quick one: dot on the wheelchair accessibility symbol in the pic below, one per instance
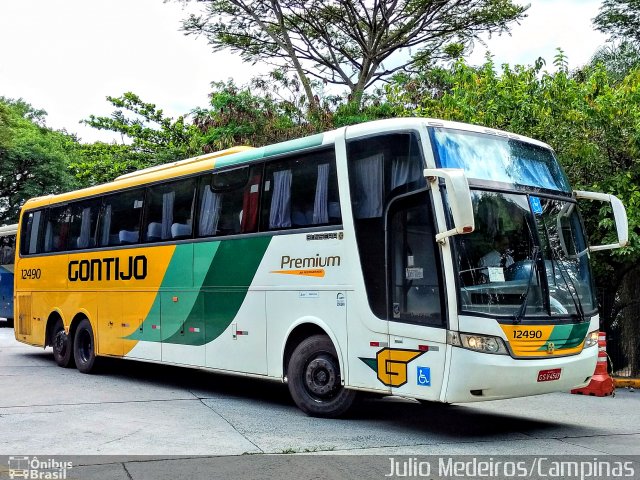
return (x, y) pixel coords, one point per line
(424, 376)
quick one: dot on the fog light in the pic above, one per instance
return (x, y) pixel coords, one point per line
(591, 339)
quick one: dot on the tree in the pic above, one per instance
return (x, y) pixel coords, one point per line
(620, 19)
(33, 158)
(238, 116)
(152, 135)
(350, 43)
(102, 162)
(618, 59)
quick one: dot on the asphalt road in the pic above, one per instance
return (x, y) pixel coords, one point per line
(132, 408)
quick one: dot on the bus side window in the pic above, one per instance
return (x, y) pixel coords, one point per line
(301, 192)
(120, 218)
(56, 233)
(228, 202)
(169, 211)
(31, 227)
(84, 220)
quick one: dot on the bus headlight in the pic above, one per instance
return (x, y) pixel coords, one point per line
(591, 339)
(479, 343)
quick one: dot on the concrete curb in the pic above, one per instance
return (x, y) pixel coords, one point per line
(626, 382)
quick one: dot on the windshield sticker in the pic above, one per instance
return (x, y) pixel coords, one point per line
(496, 274)
(536, 206)
(414, 273)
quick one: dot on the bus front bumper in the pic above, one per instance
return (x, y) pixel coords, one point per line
(477, 377)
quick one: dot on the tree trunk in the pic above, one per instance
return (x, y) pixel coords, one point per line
(630, 321)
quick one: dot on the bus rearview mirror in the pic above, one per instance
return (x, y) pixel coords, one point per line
(619, 215)
(459, 198)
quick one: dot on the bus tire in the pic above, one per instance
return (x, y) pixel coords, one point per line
(62, 345)
(314, 379)
(84, 347)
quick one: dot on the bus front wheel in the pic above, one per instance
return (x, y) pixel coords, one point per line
(314, 379)
(62, 347)
(84, 347)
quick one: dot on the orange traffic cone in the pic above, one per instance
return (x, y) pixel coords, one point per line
(601, 384)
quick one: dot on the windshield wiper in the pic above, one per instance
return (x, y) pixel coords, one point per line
(573, 291)
(525, 299)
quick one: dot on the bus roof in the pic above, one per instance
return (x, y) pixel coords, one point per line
(7, 230)
(242, 154)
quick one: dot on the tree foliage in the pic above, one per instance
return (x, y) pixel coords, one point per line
(33, 158)
(620, 19)
(147, 130)
(349, 43)
(617, 58)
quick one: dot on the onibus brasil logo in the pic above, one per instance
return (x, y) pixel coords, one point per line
(38, 469)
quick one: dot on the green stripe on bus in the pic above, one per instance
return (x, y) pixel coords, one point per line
(567, 336)
(176, 275)
(270, 150)
(221, 294)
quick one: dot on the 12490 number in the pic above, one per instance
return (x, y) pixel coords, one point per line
(531, 334)
(31, 273)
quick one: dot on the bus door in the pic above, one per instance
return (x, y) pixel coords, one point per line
(417, 321)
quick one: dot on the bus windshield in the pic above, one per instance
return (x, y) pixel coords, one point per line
(501, 159)
(527, 257)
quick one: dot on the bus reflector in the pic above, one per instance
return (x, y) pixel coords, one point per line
(175, 299)
(374, 344)
(194, 329)
(423, 348)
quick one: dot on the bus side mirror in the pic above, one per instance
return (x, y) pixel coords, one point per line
(619, 215)
(459, 196)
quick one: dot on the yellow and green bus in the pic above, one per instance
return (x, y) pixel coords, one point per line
(414, 257)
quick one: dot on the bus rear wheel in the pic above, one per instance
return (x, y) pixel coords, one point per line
(314, 379)
(62, 346)
(84, 349)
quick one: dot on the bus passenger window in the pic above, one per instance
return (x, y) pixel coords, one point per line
(83, 223)
(120, 218)
(301, 192)
(169, 211)
(31, 232)
(56, 232)
(228, 202)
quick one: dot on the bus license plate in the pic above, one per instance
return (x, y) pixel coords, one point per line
(549, 375)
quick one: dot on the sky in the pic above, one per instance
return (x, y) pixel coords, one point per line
(67, 56)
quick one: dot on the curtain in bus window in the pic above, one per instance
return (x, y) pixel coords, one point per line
(280, 213)
(368, 182)
(209, 212)
(106, 225)
(320, 205)
(404, 170)
(168, 200)
(35, 227)
(48, 238)
(250, 204)
(85, 228)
